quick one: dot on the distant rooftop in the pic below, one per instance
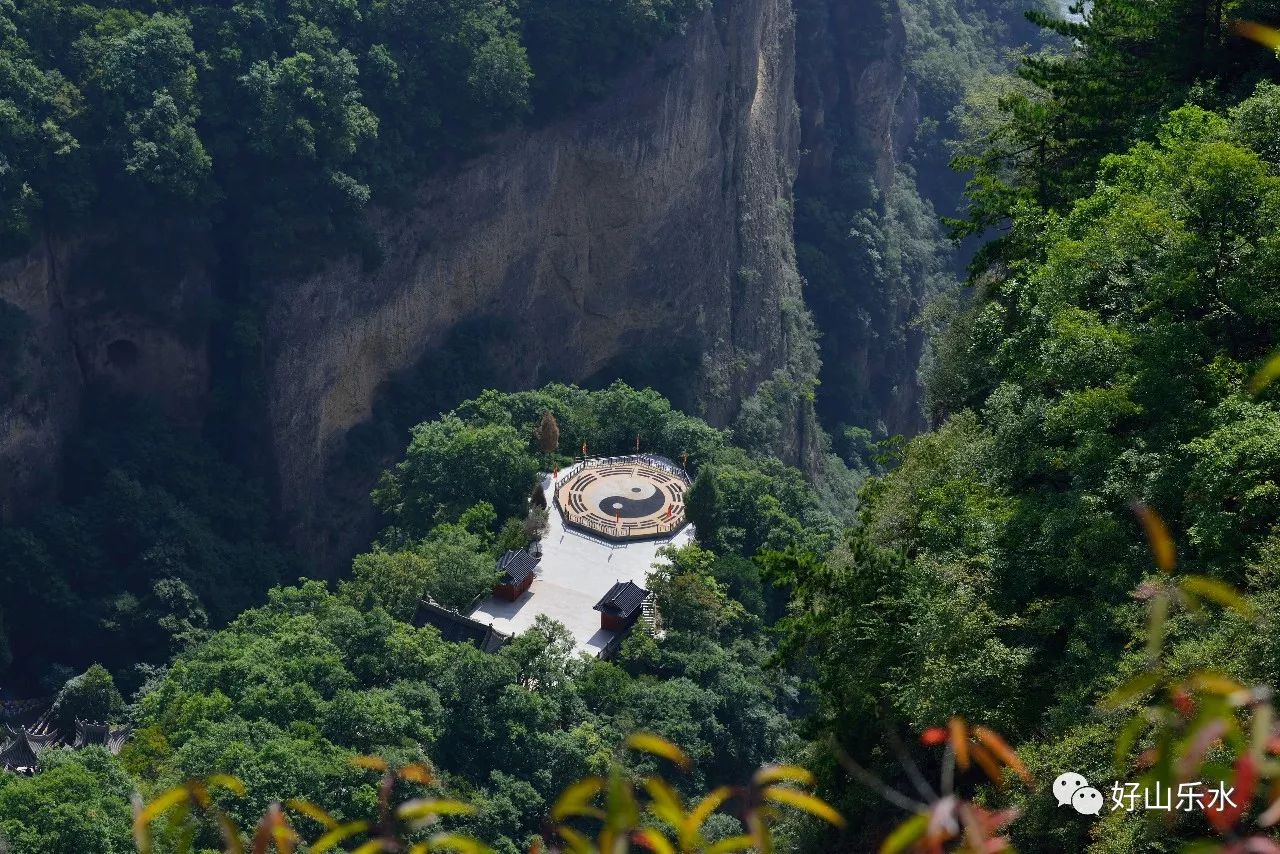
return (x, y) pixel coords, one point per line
(516, 566)
(22, 746)
(581, 566)
(459, 628)
(623, 599)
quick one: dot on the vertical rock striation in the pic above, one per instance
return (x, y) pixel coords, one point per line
(657, 220)
(72, 320)
(856, 209)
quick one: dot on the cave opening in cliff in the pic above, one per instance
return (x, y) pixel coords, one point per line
(122, 354)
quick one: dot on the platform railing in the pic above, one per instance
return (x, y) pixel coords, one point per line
(625, 530)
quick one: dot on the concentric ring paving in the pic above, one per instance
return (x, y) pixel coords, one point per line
(624, 498)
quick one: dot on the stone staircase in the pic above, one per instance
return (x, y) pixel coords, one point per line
(649, 616)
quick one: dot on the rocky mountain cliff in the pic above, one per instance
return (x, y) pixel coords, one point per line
(859, 116)
(70, 326)
(653, 227)
(655, 222)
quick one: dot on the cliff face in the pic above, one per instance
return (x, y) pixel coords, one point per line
(861, 224)
(67, 326)
(852, 78)
(655, 221)
(659, 219)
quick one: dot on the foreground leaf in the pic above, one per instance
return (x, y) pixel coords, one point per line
(791, 773)
(1162, 549)
(576, 800)
(1270, 37)
(805, 802)
(647, 742)
(906, 834)
(1217, 591)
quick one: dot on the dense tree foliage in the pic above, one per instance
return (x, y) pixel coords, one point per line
(288, 693)
(278, 121)
(91, 696)
(157, 539)
(1104, 360)
(79, 802)
(1128, 64)
(996, 572)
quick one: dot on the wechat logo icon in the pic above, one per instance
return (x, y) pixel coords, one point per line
(1073, 790)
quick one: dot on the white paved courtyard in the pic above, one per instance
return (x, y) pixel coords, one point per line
(575, 571)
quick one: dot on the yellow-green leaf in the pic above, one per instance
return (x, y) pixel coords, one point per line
(775, 773)
(163, 802)
(226, 781)
(1217, 591)
(416, 772)
(659, 746)
(338, 834)
(285, 838)
(1132, 689)
(699, 814)
(1162, 548)
(905, 835)
(422, 808)
(371, 763)
(230, 834)
(457, 842)
(576, 799)
(653, 840)
(731, 844)
(805, 802)
(1215, 683)
(1270, 371)
(313, 812)
(664, 802)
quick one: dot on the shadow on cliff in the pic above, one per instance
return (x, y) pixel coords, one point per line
(478, 354)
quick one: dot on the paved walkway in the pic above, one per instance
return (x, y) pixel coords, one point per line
(575, 571)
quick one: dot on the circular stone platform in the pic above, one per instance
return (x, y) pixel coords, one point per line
(624, 498)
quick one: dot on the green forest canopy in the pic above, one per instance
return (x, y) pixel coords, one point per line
(277, 122)
(1104, 359)
(991, 574)
(289, 692)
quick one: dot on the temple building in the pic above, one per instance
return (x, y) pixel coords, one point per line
(517, 568)
(22, 746)
(459, 628)
(620, 607)
(609, 520)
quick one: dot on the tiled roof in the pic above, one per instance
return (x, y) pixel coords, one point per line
(21, 747)
(22, 753)
(89, 734)
(458, 628)
(624, 599)
(516, 566)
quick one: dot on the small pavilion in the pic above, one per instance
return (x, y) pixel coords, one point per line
(620, 607)
(517, 568)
